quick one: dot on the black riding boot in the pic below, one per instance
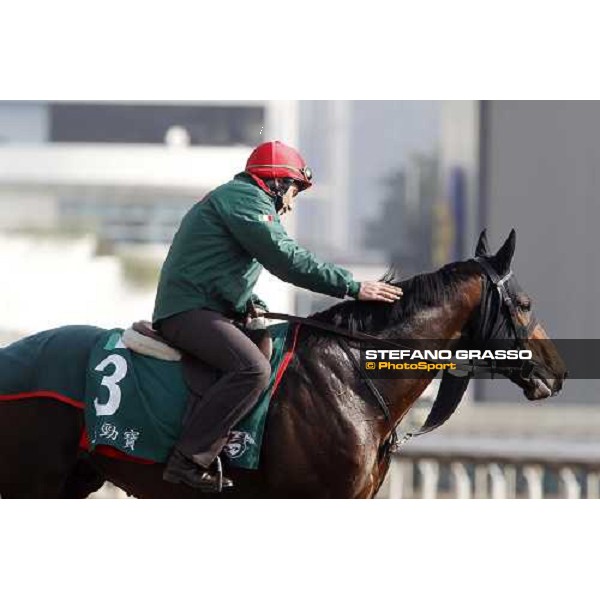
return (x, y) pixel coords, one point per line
(181, 469)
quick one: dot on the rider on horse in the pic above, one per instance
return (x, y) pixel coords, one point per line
(205, 292)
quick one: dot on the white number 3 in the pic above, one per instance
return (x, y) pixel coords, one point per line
(110, 382)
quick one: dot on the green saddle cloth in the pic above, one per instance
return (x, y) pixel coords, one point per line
(136, 403)
(52, 361)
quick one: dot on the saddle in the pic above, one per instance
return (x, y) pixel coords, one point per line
(142, 338)
(199, 376)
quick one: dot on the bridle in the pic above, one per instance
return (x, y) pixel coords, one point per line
(487, 324)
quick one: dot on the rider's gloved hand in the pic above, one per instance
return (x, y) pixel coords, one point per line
(377, 290)
(256, 313)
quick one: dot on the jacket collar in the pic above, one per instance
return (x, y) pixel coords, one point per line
(249, 178)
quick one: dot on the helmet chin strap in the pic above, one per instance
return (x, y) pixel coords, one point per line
(279, 206)
(278, 193)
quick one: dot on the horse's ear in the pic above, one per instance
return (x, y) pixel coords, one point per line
(482, 248)
(504, 256)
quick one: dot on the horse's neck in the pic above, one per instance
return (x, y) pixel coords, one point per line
(442, 325)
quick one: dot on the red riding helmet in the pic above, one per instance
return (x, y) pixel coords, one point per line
(275, 160)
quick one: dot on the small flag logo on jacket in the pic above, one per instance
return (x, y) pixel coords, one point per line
(267, 218)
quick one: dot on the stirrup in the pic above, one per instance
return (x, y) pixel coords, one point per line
(219, 469)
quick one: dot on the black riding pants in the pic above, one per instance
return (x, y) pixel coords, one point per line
(210, 337)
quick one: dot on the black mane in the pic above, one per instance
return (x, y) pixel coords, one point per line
(421, 291)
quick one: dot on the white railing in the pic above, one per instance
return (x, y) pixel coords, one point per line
(484, 468)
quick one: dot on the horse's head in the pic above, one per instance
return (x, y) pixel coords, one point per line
(506, 319)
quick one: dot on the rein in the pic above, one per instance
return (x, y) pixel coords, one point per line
(469, 367)
(445, 404)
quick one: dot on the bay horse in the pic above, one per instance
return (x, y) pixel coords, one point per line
(324, 436)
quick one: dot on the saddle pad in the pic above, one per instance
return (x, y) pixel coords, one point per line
(136, 403)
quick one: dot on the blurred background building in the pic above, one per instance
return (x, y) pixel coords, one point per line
(92, 193)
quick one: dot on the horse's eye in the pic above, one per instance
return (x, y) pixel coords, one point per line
(524, 303)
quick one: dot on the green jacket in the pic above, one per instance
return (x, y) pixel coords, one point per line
(221, 246)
